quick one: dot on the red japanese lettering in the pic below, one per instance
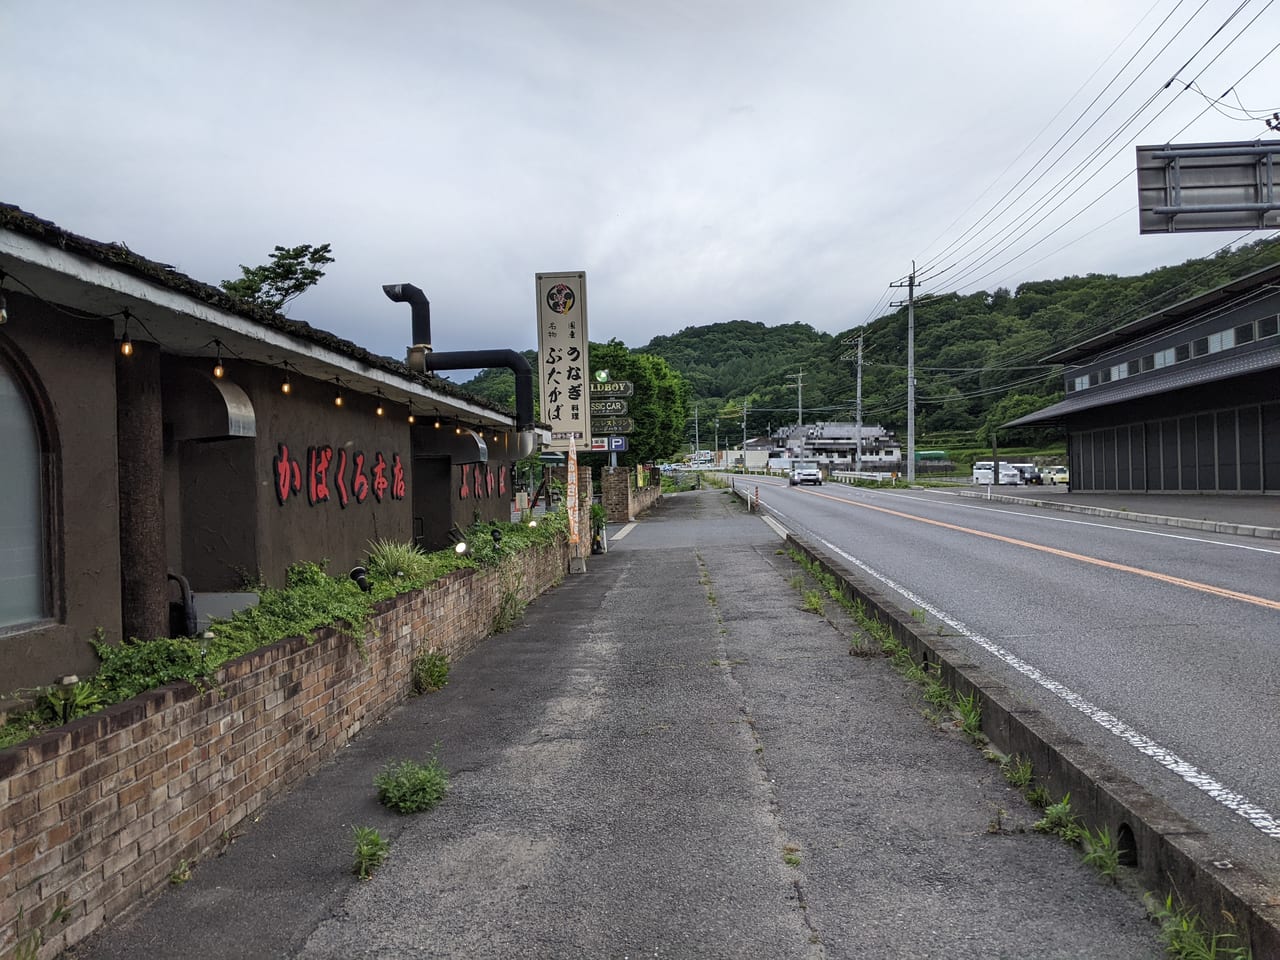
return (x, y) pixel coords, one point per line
(502, 480)
(318, 461)
(380, 482)
(340, 479)
(397, 477)
(359, 482)
(464, 491)
(288, 474)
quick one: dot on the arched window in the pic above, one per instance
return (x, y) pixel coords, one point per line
(23, 587)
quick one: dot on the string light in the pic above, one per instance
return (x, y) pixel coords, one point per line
(337, 395)
(219, 371)
(412, 418)
(4, 305)
(126, 345)
(285, 386)
(381, 401)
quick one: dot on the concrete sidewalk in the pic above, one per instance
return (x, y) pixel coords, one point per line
(668, 757)
(1246, 515)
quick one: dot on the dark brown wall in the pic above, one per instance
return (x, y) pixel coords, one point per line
(297, 530)
(74, 363)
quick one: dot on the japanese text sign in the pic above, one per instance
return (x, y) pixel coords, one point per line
(564, 373)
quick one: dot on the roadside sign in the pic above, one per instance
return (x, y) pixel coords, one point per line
(609, 444)
(614, 424)
(563, 367)
(612, 388)
(608, 408)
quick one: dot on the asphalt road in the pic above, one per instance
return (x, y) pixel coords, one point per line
(668, 757)
(1170, 635)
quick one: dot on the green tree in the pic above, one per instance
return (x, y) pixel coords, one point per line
(292, 270)
(659, 406)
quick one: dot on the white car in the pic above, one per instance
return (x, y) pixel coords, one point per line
(983, 473)
(806, 473)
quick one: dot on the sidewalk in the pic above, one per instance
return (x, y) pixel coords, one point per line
(1250, 516)
(668, 757)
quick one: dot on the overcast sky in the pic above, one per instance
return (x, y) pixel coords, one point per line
(701, 160)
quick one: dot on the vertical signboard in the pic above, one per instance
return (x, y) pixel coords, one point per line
(563, 370)
(571, 493)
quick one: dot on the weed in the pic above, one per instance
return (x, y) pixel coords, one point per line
(370, 853)
(797, 582)
(1185, 938)
(390, 560)
(968, 713)
(1038, 797)
(182, 872)
(1058, 819)
(860, 647)
(511, 606)
(430, 671)
(409, 786)
(791, 855)
(1017, 770)
(1100, 851)
(996, 824)
(813, 602)
(937, 693)
(918, 615)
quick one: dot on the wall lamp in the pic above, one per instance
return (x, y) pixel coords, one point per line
(361, 576)
(459, 541)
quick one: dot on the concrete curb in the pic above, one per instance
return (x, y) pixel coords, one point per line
(1171, 853)
(1188, 523)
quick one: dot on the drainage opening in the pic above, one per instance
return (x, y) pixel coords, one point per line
(1126, 847)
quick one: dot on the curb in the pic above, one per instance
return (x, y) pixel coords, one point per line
(1187, 523)
(1169, 852)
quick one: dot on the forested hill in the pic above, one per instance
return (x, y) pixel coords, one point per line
(977, 355)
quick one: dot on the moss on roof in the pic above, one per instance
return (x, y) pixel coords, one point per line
(120, 257)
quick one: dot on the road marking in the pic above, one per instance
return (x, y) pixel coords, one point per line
(1083, 558)
(1088, 523)
(1237, 803)
(623, 532)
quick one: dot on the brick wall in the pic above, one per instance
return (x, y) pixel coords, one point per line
(94, 816)
(622, 499)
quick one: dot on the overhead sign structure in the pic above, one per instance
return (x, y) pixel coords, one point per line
(614, 424)
(1193, 187)
(563, 365)
(608, 408)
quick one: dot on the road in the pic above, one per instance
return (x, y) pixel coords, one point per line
(1155, 647)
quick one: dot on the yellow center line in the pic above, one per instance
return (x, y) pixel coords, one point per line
(1083, 558)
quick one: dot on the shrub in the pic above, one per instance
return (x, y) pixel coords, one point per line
(410, 787)
(430, 671)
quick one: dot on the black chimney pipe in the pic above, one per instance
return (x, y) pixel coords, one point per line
(462, 359)
(420, 307)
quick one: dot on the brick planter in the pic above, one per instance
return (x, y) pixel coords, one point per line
(94, 816)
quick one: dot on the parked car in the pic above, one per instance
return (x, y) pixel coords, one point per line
(1057, 474)
(806, 473)
(1009, 475)
(1029, 473)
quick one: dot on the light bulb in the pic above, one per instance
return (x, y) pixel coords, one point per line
(411, 419)
(126, 346)
(437, 423)
(337, 399)
(285, 385)
(380, 411)
(460, 547)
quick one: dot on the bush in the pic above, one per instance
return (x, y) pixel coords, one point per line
(410, 787)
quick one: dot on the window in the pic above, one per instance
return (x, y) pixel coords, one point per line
(1222, 341)
(22, 549)
(1268, 327)
(1181, 352)
(1149, 362)
(1244, 333)
(1135, 367)
(1200, 347)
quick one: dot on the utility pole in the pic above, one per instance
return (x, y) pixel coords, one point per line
(799, 379)
(697, 440)
(910, 284)
(857, 428)
(744, 436)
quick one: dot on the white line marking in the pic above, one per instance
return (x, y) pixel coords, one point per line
(1235, 802)
(624, 531)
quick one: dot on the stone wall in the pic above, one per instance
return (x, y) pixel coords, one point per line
(94, 816)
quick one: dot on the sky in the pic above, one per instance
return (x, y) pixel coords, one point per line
(700, 160)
